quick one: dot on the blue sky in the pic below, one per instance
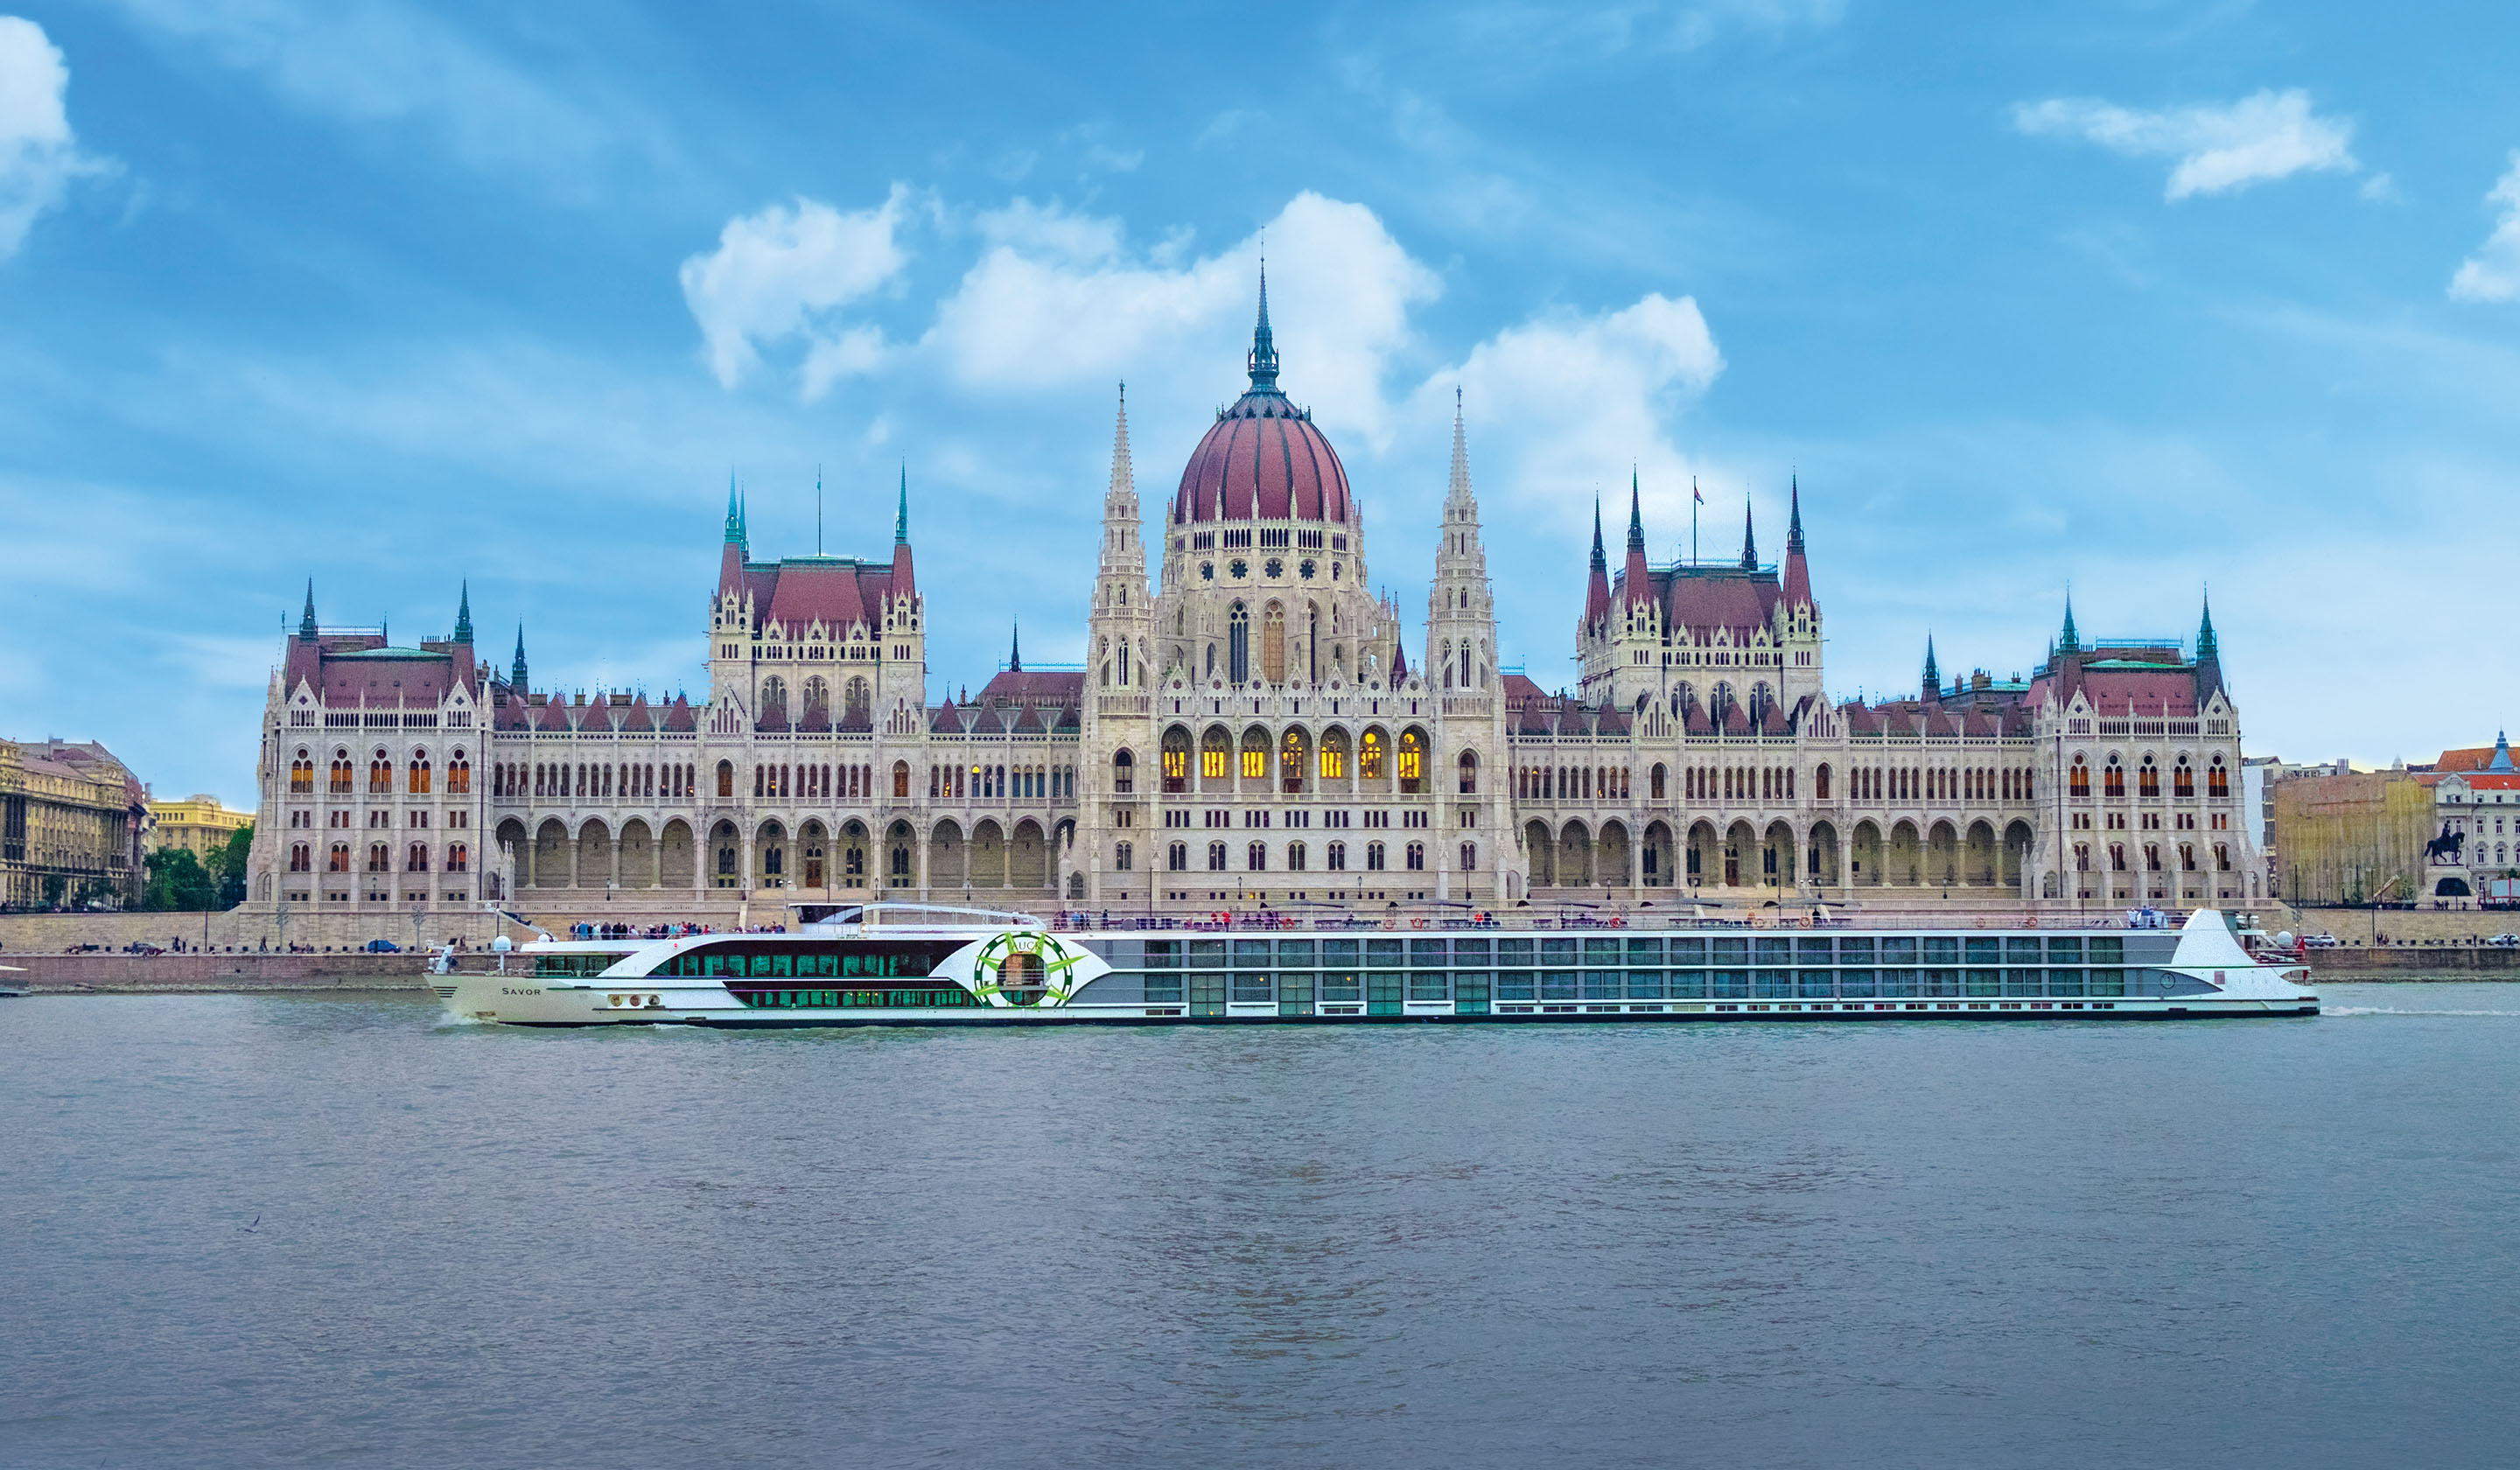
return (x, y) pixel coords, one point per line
(2137, 296)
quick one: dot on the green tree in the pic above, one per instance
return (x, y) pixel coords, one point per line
(227, 863)
(177, 882)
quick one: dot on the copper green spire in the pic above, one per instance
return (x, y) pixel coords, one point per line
(517, 671)
(464, 616)
(1933, 675)
(2206, 648)
(1264, 347)
(2068, 642)
(306, 620)
(901, 516)
(734, 515)
(1015, 651)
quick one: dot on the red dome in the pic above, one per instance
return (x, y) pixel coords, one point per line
(1263, 461)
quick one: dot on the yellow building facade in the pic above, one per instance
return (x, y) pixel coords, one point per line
(70, 824)
(199, 824)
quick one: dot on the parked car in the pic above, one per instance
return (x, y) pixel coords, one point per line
(383, 947)
(2320, 941)
(2506, 940)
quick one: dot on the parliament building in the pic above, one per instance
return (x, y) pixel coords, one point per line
(1250, 729)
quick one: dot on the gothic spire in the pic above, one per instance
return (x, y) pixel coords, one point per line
(1601, 562)
(1750, 538)
(901, 515)
(517, 671)
(464, 616)
(1459, 488)
(734, 514)
(2206, 648)
(1015, 653)
(2068, 641)
(1933, 675)
(306, 620)
(1636, 514)
(1264, 347)
(1124, 474)
(1794, 529)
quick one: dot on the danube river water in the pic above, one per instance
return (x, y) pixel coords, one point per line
(344, 1232)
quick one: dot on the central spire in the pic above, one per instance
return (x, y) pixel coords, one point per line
(1750, 538)
(1264, 347)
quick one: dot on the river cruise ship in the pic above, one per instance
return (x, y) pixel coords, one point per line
(913, 964)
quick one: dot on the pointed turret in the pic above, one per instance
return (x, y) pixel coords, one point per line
(464, 616)
(2501, 762)
(306, 619)
(1597, 593)
(1636, 581)
(1120, 625)
(2068, 642)
(1014, 649)
(516, 670)
(1749, 537)
(2209, 654)
(1796, 592)
(733, 515)
(905, 575)
(1264, 347)
(1933, 682)
(1461, 631)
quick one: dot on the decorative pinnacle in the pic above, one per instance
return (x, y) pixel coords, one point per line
(516, 673)
(734, 512)
(463, 614)
(2207, 649)
(306, 620)
(901, 516)
(1933, 675)
(2068, 641)
(1601, 562)
(1636, 514)
(1264, 346)
(1015, 651)
(1794, 529)
(1750, 538)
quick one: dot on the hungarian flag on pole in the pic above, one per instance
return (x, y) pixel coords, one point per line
(1695, 494)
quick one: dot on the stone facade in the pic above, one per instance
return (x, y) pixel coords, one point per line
(197, 825)
(1253, 729)
(72, 819)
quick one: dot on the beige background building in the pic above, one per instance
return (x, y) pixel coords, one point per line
(71, 822)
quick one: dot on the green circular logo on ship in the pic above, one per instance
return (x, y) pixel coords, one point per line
(1024, 969)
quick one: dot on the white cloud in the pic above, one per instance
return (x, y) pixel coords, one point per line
(1057, 300)
(1565, 405)
(784, 273)
(2492, 273)
(38, 156)
(2220, 149)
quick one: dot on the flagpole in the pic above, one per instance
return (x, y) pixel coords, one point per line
(1695, 501)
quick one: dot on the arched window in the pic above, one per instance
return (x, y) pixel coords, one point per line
(2078, 780)
(726, 781)
(416, 860)
(2218, 781)
(1215, 754)
(1124, 774)
(1470, 857)
(2148, 779)
(459, 775)
(301, 860)
(419, 782)
(1373, 857)
(1176, 760)
(339, 859)
(1216, 857)
(1336, 857)
(1416, 857)
(901, 781)
(2222, 858)
(1237, 646)
(1177, 858)
(1295, 857)
(2182, 778)
(342, 771)
(380, 858)
(1123, 856)
(2113, 780)
(459, 857)
(1256, 857)
(380, 775)
(302, 776)
(1413, 761)
(1368, 756)
(1468, 766)
(1290, 762)
(1820, 783)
